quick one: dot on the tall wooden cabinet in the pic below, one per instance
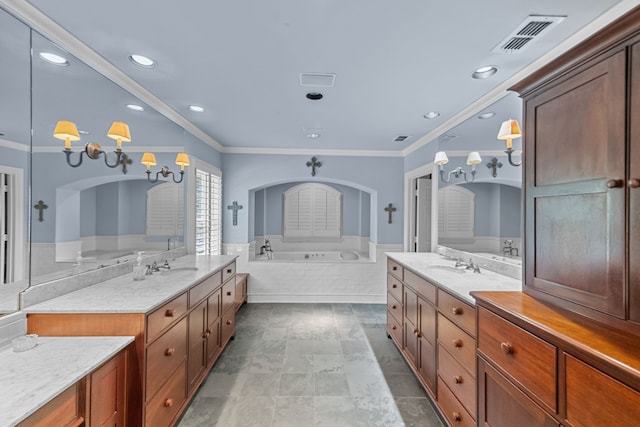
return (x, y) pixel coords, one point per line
(582, 176)
(566, 351)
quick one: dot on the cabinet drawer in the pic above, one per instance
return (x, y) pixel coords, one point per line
(164, 356)
(164, 316)
(228, 326)
(64, 409)
(228, 272)
(394, 307)
(394, 287)
(394, 269)
(460, 382)
(395, 330)
(596, 399)
(452, 408)
(526, 358)
(228, 296)
(161, 410)
(423, 288)
(458, 343)
(459, 312)
(204, 288)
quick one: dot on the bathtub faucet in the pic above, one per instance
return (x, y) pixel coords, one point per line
(266, 247)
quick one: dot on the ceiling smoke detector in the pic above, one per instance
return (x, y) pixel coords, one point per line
(527, 32)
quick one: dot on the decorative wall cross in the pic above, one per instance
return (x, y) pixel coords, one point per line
(495, 165)
(41, 207)
(391, 210)
(313, 164)
(236, 207)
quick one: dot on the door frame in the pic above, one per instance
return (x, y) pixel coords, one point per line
(409, 201)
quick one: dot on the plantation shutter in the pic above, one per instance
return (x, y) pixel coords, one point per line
(165, 210)
(456, 212)
(208, 213)
(312, 210)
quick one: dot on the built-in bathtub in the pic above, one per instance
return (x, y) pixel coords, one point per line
(310, 256)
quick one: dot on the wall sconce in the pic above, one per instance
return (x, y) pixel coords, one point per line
(149, 159)
(473, 159)
(67, 131)
(510, 129)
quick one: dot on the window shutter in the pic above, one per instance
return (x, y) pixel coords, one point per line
(456, 212)
(312, 210)
(165, 210)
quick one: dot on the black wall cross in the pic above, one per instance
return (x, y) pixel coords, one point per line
(391, 210)
(236, 207)
(41, 207)
(313, 164)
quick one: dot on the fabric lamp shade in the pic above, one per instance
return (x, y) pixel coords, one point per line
(120, 132)
(148, 159)
(66, 131)
(474, 158)
(441, 158)
(182, 160)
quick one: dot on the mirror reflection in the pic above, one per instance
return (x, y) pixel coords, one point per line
(482, 216)
(93, 215)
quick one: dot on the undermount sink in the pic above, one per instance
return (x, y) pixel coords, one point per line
(450, 268)
(177, 270)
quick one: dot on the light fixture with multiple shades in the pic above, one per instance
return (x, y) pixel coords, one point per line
(510, 129)
(119, 131)
(473, 159)
(149, 159)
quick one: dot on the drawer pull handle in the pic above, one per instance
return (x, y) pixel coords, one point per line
(394, 306)
(506, 348)
(394, 268)
(204, 335)
(229, 322)
(457, 417)
(168, 403)
(394, 327)
(457, 343)
(457, 379)
(395, 285)
(229, 293)
(169, 351)
(229, 270)
(614, 183)
(169, 313)
(457, 311)
(634, 183)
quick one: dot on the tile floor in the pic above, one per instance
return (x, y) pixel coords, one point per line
(310, 365)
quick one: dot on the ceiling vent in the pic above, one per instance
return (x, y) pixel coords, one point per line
(315, 79)
(400, 138)
(527, 32)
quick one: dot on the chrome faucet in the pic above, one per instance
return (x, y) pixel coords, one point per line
(508, 247)
(266, 247)
(156, 267)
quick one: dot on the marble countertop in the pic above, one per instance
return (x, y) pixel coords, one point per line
(31, 378)
(124, 295)
(458, 281)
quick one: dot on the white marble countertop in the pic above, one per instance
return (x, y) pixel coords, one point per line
(124, 295)
(32, 378)
(458, 281)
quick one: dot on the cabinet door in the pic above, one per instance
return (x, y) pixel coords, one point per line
(197, 356)
(107, 398)
(634, 188)
(213, 328)
(575, 188)
(501, 404)
(411, 325)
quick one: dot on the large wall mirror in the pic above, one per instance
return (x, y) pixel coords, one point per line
(67, 220)
(482, 217)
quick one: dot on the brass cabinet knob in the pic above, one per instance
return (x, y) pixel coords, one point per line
(634, 183)
(457, 343)
(457, 379)
(457, 311)
(506, 348)
(615, 183)
(168, 403)
(170, 312)
(169, 351)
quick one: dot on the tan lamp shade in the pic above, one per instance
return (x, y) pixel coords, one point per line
(474, 158)
(120, 132)
(509, 130)
(182, 160)
(441, 158)
(67, 131)
(148, 159)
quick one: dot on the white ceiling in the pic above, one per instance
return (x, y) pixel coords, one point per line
(394, 61)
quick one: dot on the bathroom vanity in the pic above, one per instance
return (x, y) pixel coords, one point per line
(431, 317)
(181, 319)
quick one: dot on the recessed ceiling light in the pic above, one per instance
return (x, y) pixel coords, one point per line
(486, 115)
(431, 115)
(313, 135)
(314, 96)
(83, 132)
(142, 61)
(54, 59)
(196, 108)
(135, 107)
(484, 72)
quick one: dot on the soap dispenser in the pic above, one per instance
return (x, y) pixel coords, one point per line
(139, 270)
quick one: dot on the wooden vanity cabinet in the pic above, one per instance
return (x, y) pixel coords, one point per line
(98, 399)
(241, 289)
(176, 344)
(456, 359)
